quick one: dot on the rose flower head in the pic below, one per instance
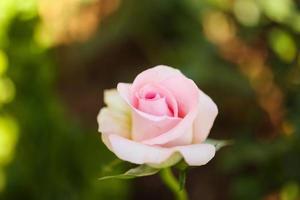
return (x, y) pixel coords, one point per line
(158, 120)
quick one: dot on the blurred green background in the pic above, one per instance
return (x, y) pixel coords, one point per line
(56, 57)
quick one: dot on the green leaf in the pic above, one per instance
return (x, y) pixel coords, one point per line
(142, 170)
(219, 143)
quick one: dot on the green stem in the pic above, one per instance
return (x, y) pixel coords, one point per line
(172, 183)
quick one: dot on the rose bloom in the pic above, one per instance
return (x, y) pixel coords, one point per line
(159, 119)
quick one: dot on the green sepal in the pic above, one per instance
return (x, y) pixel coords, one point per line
(218, 143)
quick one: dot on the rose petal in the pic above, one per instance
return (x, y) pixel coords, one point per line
(207, 112)
(158, 107)
(113, 100)
(185, 92)
(113, 122)
(154, 75)
(175, 133)
(184, 139)
(162, 93)
(106, 141)
(124, 91)
(186, 95)
(114, 119)
(134, 152)
(197, 154)
(137, 153)
(183, 89)
(146, 126)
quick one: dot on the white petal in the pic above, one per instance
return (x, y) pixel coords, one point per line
(114, 101)
(138, 153)
(115, 118)
(197, 154)
(114, 122)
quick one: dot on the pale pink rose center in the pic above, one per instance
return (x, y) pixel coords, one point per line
(156, 101)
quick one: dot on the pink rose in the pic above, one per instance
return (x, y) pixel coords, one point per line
(159, 119)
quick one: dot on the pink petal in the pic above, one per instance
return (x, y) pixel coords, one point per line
(175, 134)
(137, 153)
(184, 139)
(146, 126)
(158, 107)
(207, 112)
(159, 91)
(154, 75)
(185, 92)
(183, 89)
(124, 91)
(197, 154)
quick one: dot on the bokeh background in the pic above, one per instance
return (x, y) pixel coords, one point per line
(57, 57)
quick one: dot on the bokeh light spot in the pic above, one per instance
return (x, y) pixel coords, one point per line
(290, 191)
(283, 44)
(277, 10)
(3, 62)
(8, 138)
(247, 12)
(295, 23)
(288, 128)
(7, 90)
(218, 27)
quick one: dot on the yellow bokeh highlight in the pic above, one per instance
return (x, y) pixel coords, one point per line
(8, 139)
(3, 62)
(277, 10)
(7, 90)
(42, 37)
(247, 12)
(288, 128)
(283, 44)
(218, 27)
(295, 23)
(290, 191)
(78, 24)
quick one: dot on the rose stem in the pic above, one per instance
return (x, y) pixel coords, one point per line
(169, 179)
